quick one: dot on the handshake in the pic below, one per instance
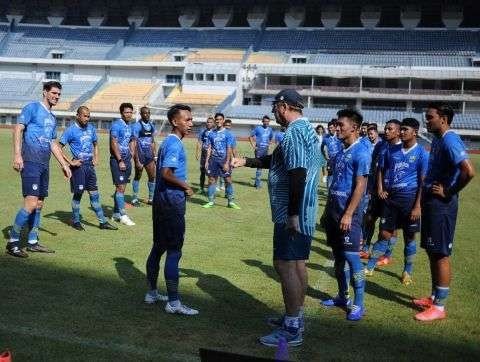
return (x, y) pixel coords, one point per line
(237, 162)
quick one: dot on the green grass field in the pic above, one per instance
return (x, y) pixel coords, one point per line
(86, 301)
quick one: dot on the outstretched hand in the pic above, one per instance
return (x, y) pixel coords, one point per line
(238, 162)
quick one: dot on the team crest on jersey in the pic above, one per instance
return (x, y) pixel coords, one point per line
(412, 158)
(382, 220)
(35, 186)
(347, 240)
(348, 156)
(80, 187)
(121, 178)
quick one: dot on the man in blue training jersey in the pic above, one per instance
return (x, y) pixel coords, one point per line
(169, 205)
(122, 149)
(82, 139)
(143, 133)
(278, 138)
(330, 146)
(343, 216)
(260, 139)
(33, 140)
(292, 185)
(201, 150)
(399, 185)
(219, 152)
(449, 171)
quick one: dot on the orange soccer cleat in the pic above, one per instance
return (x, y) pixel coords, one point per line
(431, 314)
(426, 302)
(384, 260)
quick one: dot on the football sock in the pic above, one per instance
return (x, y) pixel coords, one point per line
(258, 175)
(172, 274)
(135, 187)
(95, 203)
(342, 273)
(358, 280)
(34, 224)
(76, 207)
(378, 250)
(229, 192)
(151, 189)
(391, 245)
(153, 265)
(291, 323)
(20, 220)
(441, 294)
(119, 203)
(211, 192)
(409, 254)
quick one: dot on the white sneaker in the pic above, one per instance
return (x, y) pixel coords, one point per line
(124, 219)
(157, 297)
(324, 179)
(180, 309)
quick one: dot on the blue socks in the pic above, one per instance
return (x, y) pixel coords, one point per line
(76, 207)
(391, 245)
(172, 274)
(95, 203)
(378, 250)
(135, 187)
(153, 265)
(441, 293)
(409, 254)
(119, 204)
(151, 190)
(342, 273)
(34, 224)
(211, 192)
(258, 175)
(358, 276)
(20, 220)
(229, 191)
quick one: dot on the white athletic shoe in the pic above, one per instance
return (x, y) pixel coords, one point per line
(152, 299)
(180, 309)
(124, 219)
(324, 179)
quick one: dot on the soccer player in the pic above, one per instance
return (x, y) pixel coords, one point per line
(228, 125)
(144, 136)
(449, 171)
(169, 204)
(330, 146)
(278, 138)
(201, 150)
(82, 139)
(33, 139)
(122, 148)
(399, 184)
(320, 134)
(343, 217)
(260, 139)
(217, 162)
(292, 184)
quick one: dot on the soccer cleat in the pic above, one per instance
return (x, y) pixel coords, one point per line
(156, 297)
(125, 220)
(273, 339)
(368, 273)
(384, 260)
(406, 278)
(426, 302)
(234, 206)
(14, 250)
(278, 323)
(431, 314)
(208, 205)
(78, 226)
(107, 226)
(336, 302)
(364, 255)
(180, 309)
(136, 203)
(38, 248)
(356, 313)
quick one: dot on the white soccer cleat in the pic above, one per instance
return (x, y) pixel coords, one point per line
(157, 297)
(180, 309)
(124, 219)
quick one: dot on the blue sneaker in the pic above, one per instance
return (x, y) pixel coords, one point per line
(336, 302)
(356, 313)
(273, 339)
(278, 323)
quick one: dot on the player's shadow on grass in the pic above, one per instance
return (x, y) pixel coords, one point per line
(245, 183)
(196, 200)
(66, 218)
(270, 272)
(321, 251)
(379, 291)
(24, 234)
(128, 272)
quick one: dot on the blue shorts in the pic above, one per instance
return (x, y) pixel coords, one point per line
(215, 168)
(145, 156)
(396, 214)
(169, 224)
(35, 178)
(261, 151)
(120, 177)
(83, 178)
(346, 241)
(290, 247)
(375, 206)
(438, 224)
(363, 207)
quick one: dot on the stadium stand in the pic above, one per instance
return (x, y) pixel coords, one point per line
(216, 55)
(266, 58)
(195, 98)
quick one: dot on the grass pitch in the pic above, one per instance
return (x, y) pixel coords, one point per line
(85, 301)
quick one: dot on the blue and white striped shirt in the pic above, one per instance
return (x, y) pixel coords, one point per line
(298, 149)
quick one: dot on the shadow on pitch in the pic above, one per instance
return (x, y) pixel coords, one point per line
(66, 218)
(128, 272)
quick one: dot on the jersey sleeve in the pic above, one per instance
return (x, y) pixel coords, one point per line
(253, 132)
(456, 149)
(200, 136)
(294, 150)
(171, 158)
(65, 137)
(362, 166)
(135, 130)
(424, 163)
(54, 130)
(94, 135)
(270, 137)
(114, 131)
(26, 114)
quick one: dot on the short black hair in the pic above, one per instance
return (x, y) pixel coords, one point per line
(443, 110)
(265, 117)
(144, 107)
(51, 84)
(352, 114)
(394, 121)
(411, 122)
(365, 124)
(175, 109)
(332, 122)
(218, 114)
(125, 105)
(373, 126)
(228, 120)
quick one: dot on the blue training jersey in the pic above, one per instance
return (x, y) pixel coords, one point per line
(40, 129)
(367, 143)
(122, 132)
(263, 136)
(144, 133)
(347, 165)
(378, 150)
(279, 137)
(171, 154)
(203, 137)
(333, 144)
(219, 141)
(405, 168)
(298, 149)
(446, 154)
(81, 141)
